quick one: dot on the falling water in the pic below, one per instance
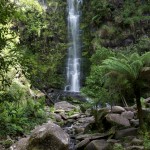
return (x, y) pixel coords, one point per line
(73, 61)
(43, 3)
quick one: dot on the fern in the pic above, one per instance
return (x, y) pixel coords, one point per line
(146, 58)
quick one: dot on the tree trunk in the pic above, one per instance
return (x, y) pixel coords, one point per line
(139, 106)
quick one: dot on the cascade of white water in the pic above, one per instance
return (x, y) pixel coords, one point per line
(73, 61)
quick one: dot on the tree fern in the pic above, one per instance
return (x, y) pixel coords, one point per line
(119, 66)
(146, 58)
(137, 66)
(134, 56)
(135, 69)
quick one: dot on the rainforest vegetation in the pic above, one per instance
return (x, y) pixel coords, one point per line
(32, 51)
(33, 48)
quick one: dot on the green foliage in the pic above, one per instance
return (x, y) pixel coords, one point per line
(118, 146)
(146, 139)
(101, 54)
(16, 120)
(133, 12)
(8, 40)
(17, 107)
(43, 43)
(112, 23)
(94, 88)
(135, 69)
(118, 76)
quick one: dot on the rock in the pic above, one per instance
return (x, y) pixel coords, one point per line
(83, 124)
(135, 148)
(57, 117)
(126, 132)
(92, 136)
(2, 148)
(136, 141)
(46, 137)
(117, 109)
(63, 116)
(59, 111)
(81, 145)
(135, 122)
(86, 120)
(88, 112)
(128, 114)
(20, 145)
(130, 109)
(98, 145)
(63, 105)
(79, 129)
(118, 119)
(112, 141)
(147, 100)
(74, 116)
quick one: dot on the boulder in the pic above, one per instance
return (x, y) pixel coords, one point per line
(98, 145)
(46, 137)
(20, 145)
(81, 145)
(126, 132)
(118, 119)
(128, 114)
(63, 105)
(117, 109)
(2, 148)
(136, 141)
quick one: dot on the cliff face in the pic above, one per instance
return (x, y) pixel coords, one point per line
(43, 42)
(116, 24)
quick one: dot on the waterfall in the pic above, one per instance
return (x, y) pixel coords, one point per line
(43, 3)
(74, 58)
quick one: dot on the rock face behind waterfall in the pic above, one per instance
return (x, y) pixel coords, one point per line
(46, 137)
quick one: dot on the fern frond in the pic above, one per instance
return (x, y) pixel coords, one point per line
(146, 58)
(120, 66)
(122, 56)
(134, 56)
(137, 66)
